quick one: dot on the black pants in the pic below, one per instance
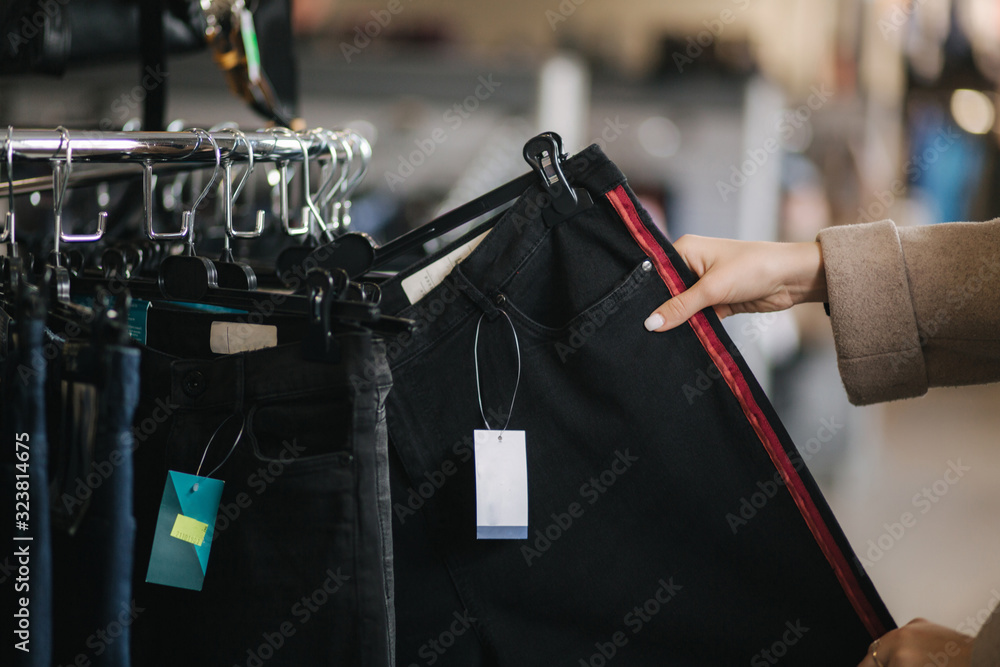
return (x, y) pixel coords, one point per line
(301, 556)
(671, 521)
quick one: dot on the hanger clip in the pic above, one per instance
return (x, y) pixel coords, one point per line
(545, 155)
(324, 287)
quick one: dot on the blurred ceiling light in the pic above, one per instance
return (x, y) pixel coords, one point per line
(659, 136)
(973, 111)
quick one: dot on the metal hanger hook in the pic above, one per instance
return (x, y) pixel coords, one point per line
(231, 197)
(283, 188)
(9, 223)
(148, 185)
(342, 140)
(60, 181)
(61, 170)
(310, 205)
(188, 215)
(332, 182)
(334, 202)
(238, 138)
(342, 207)
(365, 151)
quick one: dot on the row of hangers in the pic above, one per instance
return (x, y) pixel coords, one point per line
(344, 159)
(166, 266)
(153, 269)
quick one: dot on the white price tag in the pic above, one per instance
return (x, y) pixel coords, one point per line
(501, 485)
(233, 337)
(423, 281)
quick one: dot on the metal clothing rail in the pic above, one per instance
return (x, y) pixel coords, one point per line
(140, 147)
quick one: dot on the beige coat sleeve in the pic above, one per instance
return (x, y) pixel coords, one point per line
(912, 308)
(986, 649)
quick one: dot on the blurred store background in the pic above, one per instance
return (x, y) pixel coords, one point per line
(752, 119)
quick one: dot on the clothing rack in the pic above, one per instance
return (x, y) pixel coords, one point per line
(347, 152)
(190, 277)
(116, 147)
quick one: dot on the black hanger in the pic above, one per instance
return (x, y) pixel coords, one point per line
(54, 274)
(231, 273)
(183, 277)
(186, 276)
(325, 288)
(295, 256)
(193, 279)
(358, 254)
(357, 307)
(123, 260)
(189, 276)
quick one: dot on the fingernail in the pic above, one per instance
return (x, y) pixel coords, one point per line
(654, 322)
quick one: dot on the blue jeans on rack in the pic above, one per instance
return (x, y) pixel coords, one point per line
(94, 532)
(26, 570)
(671, 519)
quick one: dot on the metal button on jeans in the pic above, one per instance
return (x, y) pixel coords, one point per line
(194, 384)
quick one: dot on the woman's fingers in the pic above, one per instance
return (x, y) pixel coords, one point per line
(678, 310)
(743, 277)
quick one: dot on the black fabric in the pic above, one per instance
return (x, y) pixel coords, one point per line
(636, 468)
(300, 568)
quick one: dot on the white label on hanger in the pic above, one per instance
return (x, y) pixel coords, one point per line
(423, 281)
(501, 485)
(233, 337)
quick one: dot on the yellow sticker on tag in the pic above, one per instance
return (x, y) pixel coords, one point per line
(190, 530)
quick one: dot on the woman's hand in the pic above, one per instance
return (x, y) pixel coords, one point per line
(920, 643)
(743, 277)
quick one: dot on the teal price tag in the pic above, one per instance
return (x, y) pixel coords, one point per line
(137, 316)
(184, 528)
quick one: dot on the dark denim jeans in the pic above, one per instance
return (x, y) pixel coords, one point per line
(300, 565)
(22, 420)
(94, 532)
(671, 520)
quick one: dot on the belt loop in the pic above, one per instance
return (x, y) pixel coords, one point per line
(474, 294)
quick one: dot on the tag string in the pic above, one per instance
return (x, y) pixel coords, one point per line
(517, 383)
(231, 449)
